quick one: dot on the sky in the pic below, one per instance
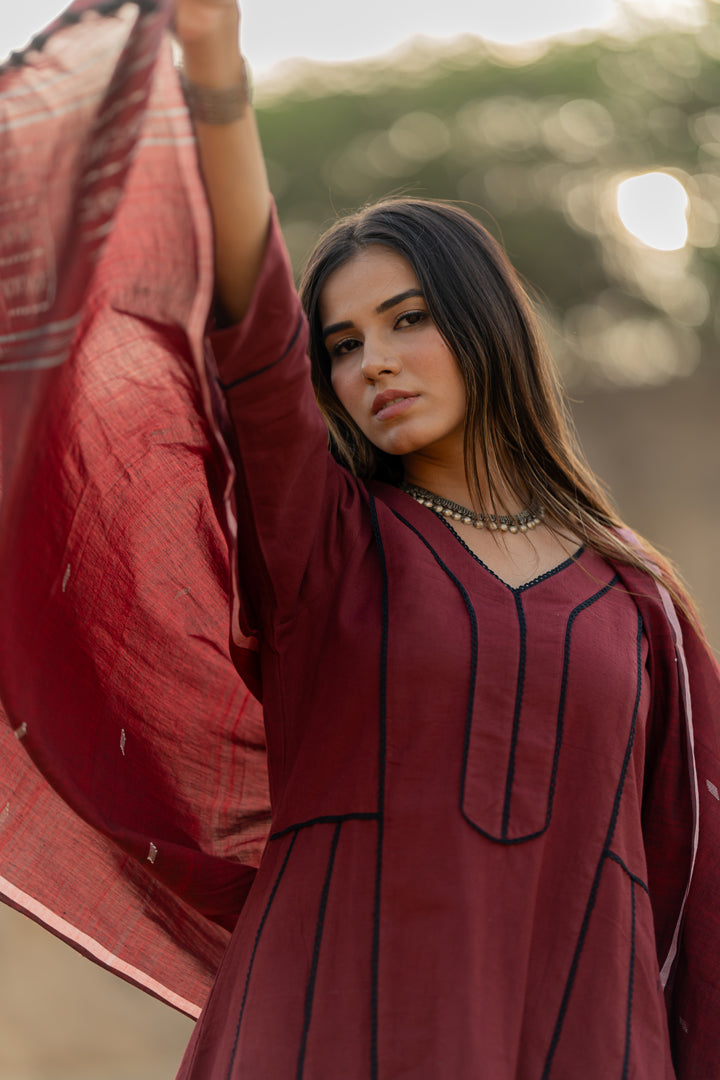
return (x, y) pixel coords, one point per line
(337, 30)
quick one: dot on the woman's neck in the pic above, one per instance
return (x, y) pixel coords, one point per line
(451, 482)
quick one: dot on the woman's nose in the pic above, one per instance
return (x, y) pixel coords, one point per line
(379, 359)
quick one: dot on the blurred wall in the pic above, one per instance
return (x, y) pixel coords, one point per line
(659, 450)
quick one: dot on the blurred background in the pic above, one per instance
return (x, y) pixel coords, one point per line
(585, 134)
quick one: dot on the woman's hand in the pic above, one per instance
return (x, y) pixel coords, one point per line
(231, 159)
(208, 32)
(197, 18)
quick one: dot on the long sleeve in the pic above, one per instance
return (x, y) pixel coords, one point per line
(696, 987)
(681, 825)
(298, 510)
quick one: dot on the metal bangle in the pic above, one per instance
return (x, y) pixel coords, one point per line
(210, 105)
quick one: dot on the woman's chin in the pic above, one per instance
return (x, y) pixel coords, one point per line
(399, 447)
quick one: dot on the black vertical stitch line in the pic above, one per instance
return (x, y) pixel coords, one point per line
(267, 367)
(312, 977)
(519, 690)
(604, 855)
(260, 928)
(564, 686)
(473, 658)
(324, 819)
(513, 588)
(633, 877)
(382, 750)
(631, 979)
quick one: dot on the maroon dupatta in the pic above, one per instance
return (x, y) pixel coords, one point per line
(137, 838)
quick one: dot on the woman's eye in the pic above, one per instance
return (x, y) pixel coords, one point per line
(412, 318)
(342, 348)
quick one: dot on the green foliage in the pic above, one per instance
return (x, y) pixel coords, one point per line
(535, 147)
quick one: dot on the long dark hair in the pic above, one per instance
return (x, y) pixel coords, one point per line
(516, 411)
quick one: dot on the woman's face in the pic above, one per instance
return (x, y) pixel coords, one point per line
(390, 367)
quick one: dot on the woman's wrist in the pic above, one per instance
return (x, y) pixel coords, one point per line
(217, 105)
(215, 67)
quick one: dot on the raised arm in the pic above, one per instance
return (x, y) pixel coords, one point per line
(230, 153)
(292, 538)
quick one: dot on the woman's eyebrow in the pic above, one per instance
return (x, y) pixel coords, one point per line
(385, 306)
(334, 327)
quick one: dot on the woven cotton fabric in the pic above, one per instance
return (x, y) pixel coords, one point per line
(133, 797)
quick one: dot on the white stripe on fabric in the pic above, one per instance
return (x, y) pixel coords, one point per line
(64, 327)
(70, 933)
(684, 678)
(42, 363)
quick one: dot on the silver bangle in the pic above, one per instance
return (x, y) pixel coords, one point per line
(208, 105)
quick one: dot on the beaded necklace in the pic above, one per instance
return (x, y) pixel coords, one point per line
(512, 523)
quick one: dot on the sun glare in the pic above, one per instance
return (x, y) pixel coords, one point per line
(653, 207)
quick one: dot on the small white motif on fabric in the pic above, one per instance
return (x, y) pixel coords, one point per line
(683, 1025)
(182, 592)
(66, 578)
(4, 814)
(123, 740)
(21, 732)
(152, 853)
(713, 790)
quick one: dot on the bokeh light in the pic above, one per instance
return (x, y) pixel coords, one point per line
(654, 207)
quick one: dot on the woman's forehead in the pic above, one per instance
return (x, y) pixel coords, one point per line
(365, 280)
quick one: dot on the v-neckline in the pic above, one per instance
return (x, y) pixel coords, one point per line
(404, 506)
(569, 561)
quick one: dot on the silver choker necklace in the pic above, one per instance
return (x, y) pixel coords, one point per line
(521, 522)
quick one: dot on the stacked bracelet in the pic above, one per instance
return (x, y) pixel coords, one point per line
(208, 105)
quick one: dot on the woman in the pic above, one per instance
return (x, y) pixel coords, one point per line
(465, 667)
(484, 812)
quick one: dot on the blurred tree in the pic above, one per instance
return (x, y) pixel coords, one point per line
(535, 145)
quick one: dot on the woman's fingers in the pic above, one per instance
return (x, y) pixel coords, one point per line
(199, 21)
(208, 31)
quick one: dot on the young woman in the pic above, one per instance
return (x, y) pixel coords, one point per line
(466, 672)
(479, 698)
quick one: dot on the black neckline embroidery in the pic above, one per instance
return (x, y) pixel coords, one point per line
(527, 584)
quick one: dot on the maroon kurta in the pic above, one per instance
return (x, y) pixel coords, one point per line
(456, 881)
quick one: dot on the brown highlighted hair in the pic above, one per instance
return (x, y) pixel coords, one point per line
(517, 417)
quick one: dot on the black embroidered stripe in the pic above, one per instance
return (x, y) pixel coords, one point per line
(312, 977)
(325, 819)
(631, 981)
(519, 690)
(268, 367)
(604, 855)
(260, 928)
(564, 686)
(503, 838)
(382, 749)
(560, 726)
(527, 584)
(473, 660)
(633, 877)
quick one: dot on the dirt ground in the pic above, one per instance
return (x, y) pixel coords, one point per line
(64, 1018)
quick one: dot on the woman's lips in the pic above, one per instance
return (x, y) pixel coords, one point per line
(395, 406)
